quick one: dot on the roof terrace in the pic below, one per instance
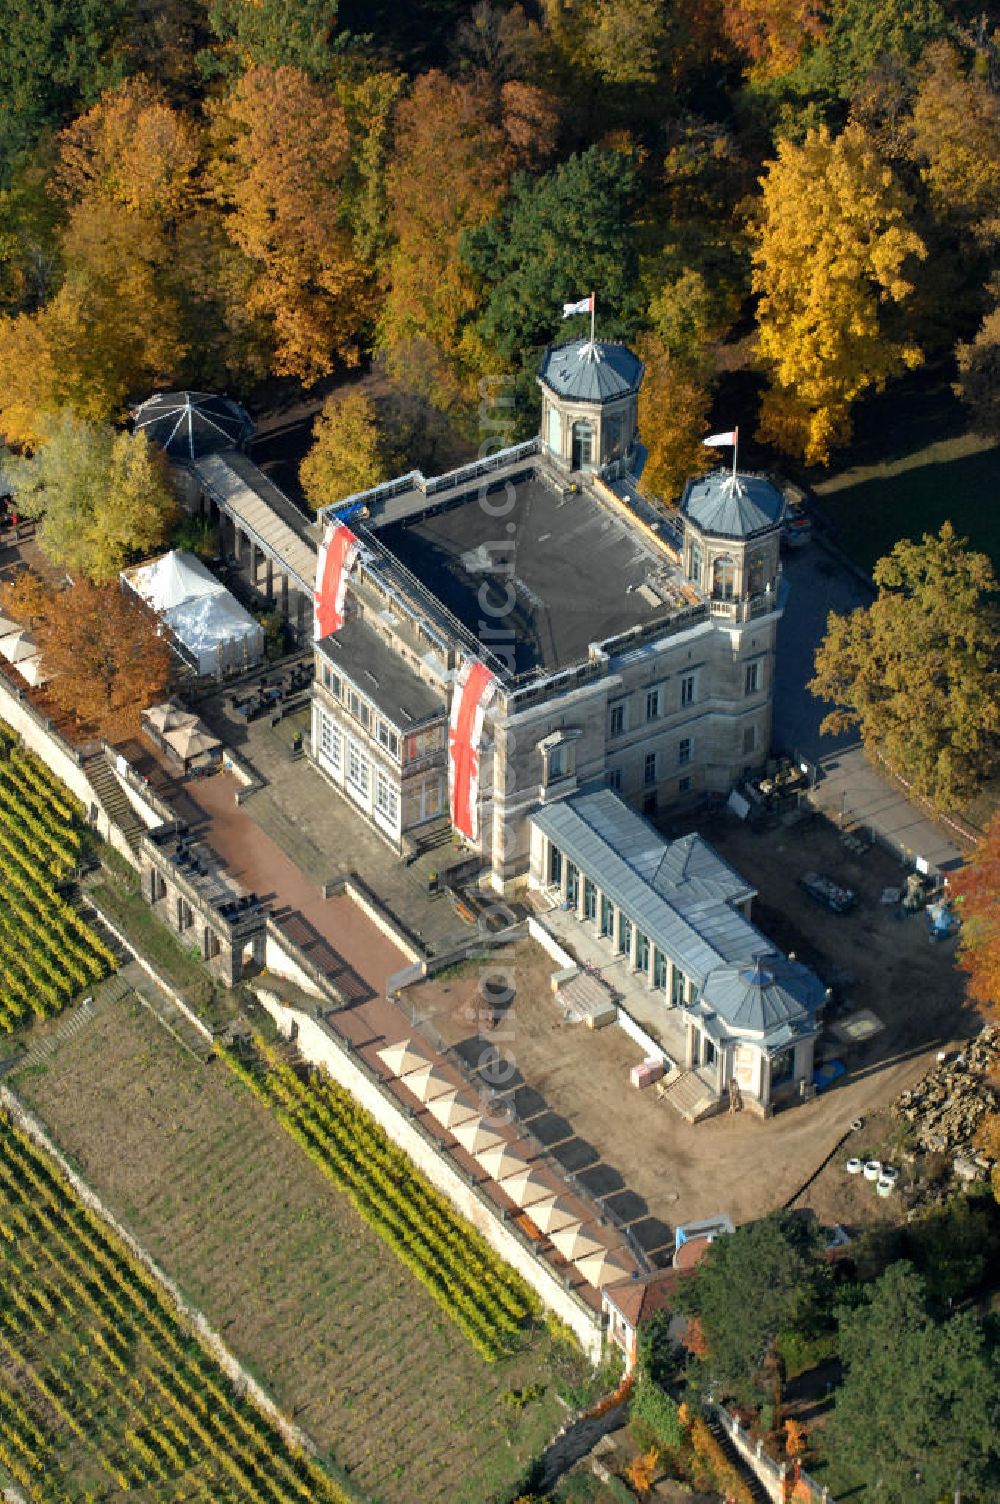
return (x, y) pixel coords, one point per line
(535, 572)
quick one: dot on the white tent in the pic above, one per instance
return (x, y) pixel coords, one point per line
(172, 579)
(208, 624)
(475, 1137)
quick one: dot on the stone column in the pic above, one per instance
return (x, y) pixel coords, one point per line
(633, 950)
(671, 968)
(689, 1032)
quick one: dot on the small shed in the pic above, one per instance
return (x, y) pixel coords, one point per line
(627, 1304)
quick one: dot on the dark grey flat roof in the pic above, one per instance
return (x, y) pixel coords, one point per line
(381, 675)
(556, 572)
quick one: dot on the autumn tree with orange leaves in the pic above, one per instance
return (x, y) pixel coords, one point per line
(450, 168)
(279, 174)
(977, 889)
(103, 658)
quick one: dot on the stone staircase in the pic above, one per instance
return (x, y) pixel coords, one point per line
(112, 798)
(690, 1095)
(75, 1019)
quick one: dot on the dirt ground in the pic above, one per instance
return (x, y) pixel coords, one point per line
(328, 1319)
(570, 1086)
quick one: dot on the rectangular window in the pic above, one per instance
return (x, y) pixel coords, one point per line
(652, 704)
(331, 681)
(659, 969)
(386, 798)
(387, 738)
(555, 866)
(589, 899)
(684, 786)
(358, 769)
(687, 689)
(572, 884)
(616, 719)
(555, 763)
(649, 768)
(751, 682)
(694, 572)
(684, 750)
(678, 993)
(624, 936)
(329, 741)
(614, 779)
(749, 740)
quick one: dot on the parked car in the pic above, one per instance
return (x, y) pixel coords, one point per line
(828, 893)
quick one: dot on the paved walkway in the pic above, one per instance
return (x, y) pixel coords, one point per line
(849, 787)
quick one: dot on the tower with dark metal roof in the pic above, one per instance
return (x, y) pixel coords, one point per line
(590, 395)
(732, 535)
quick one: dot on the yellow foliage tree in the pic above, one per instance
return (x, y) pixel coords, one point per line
(833, 251)
(133, 148)
(642, 1470)
(956, 140)
(449, 170)
(279, 171)
(674, 403)
(111, 331)
(348, 452)
(101, 497)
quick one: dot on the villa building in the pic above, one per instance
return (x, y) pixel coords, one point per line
(490, 641)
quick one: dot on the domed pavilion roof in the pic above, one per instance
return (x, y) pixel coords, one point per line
(585, 371)
(189, 425)
(732, 507)
(764, 994)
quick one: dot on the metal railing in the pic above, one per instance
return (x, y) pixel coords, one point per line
(415, 480)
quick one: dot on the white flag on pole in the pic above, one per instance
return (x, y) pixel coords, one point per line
(720, 440)
(585, 305)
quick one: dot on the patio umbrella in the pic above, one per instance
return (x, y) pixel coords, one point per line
(191, 741)
(475, 1137)
(603, 1268)
(501, 1161)
(31, 670)
(573, 1243)
(553, 1215)
(401, 1058)
(526, 1187)
(17, 646)
(428, 1081)
(168, 717)
(452, 1108)
(7, 626)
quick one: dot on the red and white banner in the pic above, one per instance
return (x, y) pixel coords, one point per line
(584, 305)
(336, 557)
(474, 690)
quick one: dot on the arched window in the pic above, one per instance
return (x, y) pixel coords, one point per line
(757, 574)
(723, 578)
(583, 446)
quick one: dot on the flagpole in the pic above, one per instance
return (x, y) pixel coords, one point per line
(736, 450)
(593, 306)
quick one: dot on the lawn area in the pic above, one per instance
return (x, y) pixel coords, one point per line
(333, 1325)
(913, 465)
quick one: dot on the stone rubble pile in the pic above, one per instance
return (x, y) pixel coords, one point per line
(946, 1108)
